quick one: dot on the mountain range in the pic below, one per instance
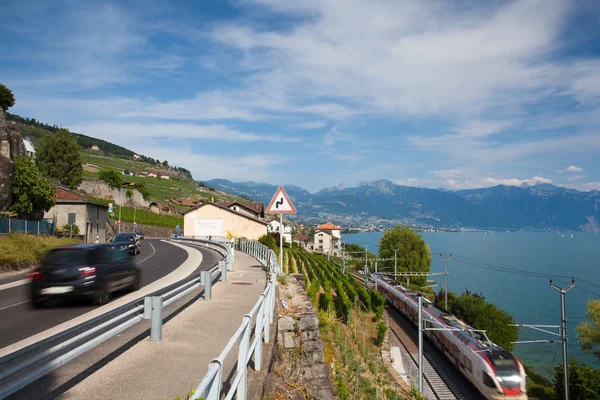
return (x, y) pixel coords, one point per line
(543, 207)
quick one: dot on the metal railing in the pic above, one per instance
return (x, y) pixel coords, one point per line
(13, 225)
(254, 329)
(25, 365)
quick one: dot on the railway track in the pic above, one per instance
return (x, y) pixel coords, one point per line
(437, 382)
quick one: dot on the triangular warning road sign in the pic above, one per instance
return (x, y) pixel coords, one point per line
(281, 203)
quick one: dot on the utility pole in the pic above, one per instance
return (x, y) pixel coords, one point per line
(446, 279)
(420, 343)
(563, 330)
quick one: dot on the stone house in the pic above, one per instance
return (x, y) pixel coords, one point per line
(212, 219)
(90, 216)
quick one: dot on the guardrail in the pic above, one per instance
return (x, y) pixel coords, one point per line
(23, 366)
(255, 327)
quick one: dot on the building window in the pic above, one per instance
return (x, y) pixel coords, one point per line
(321, 241)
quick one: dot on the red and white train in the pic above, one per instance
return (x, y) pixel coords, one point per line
(494, 371)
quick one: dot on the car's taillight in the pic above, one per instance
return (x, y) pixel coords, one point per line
(35, 275)
(88, 271)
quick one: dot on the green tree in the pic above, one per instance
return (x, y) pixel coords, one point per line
(112, 178)
(353, 248)
(268, 241)
(58, 157)
(588, 332)
(584, 381)
(7, 99)
(413, 253)
(475, 311)
(32, 192)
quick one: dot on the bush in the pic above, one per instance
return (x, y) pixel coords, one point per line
(66, 228)
(381, 330)
(378, 313)
(112, 178)
(584, 381)
(268, 241)
(282, 279)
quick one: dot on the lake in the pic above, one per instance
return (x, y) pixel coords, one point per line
(529, 299)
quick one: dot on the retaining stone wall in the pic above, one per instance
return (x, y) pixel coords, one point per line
(300, 359)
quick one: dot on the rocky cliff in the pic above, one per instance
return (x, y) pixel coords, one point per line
(11, 147)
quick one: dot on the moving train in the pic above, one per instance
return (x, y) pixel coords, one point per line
(494, 371)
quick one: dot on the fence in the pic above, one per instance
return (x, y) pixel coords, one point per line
(255, 327)
(13, 225)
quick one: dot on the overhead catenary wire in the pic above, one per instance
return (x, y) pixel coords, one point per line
(492, 267)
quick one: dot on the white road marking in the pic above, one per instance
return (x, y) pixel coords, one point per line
(153, 251)
(12, 305)
(15, 284)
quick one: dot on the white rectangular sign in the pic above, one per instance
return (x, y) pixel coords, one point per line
(208, 227)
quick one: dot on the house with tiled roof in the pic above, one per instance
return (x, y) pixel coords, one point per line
(89, 216)
(328, 238)
(251, 208)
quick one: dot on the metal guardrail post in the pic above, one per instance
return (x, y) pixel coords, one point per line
(230, 258)
(258, 328)
(223, 269)
(147, 307)
(156, 324)
(265, 315)
(207, 278)
(242, 364)
(213, 391)
(272, 305)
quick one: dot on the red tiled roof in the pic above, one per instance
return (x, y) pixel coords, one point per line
(189, 202)
(328, 227)
(62, 194)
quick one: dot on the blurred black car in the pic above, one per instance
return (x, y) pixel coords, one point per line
(128, 242)
(92, 271)
(140, 235)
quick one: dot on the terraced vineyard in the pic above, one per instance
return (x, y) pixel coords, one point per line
(350, 324)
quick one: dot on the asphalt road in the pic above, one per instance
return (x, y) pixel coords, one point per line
(167, 258)
(20, 320)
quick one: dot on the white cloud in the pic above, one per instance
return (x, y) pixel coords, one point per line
(348, 157)
(312, 124)
(408, 57)
(592, 186)
(119, 130)
(572, 168)
(514, 181)
(334, 135)
(448, 173)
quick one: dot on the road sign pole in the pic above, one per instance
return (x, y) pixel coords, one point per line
(281, 242)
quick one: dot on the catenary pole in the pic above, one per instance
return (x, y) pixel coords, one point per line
(563, 331)
(395, 264)
(420, 344)
(446, 279)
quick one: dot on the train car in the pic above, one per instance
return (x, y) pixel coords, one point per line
(494, 371)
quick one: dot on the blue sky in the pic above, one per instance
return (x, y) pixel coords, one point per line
(322, 92)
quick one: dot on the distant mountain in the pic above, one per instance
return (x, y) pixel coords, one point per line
(537, 207)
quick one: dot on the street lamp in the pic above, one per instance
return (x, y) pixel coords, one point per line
(121, 202)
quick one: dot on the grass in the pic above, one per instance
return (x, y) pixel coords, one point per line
(143, 217)
(16, 248)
